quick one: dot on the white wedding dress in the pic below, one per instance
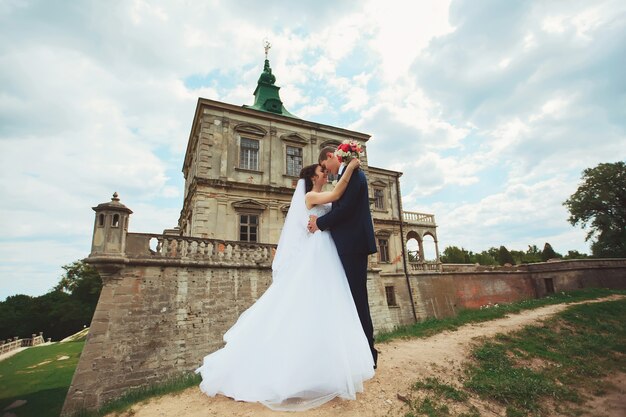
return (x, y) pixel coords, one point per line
(301, 344)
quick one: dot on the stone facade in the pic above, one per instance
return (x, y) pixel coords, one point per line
(241, 164)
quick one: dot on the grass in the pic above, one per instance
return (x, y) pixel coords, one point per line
(573, 350)
(173, 385)
(44, 386)
(433, 326)
(441, 390)
(553, 365)
(39, 377)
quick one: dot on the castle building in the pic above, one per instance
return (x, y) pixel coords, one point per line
(167, 299)
(242, 164)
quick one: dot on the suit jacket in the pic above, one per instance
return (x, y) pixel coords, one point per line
(350, 220)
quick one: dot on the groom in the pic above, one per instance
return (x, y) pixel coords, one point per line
(350, 224)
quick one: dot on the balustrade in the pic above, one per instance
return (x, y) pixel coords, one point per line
(414, 217)
(424, 266)
(201, 249)
(15, 343)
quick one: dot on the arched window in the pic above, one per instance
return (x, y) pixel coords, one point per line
(116, 221)
(430, 251)
(413, 247)
(101, 220)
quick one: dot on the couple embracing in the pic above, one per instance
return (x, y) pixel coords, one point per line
(309, 338)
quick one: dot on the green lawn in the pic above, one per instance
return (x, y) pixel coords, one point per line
(26, 376)
(570, 353)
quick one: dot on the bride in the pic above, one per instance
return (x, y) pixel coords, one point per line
(301, 344)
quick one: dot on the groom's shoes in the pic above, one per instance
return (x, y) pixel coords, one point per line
(375, 356)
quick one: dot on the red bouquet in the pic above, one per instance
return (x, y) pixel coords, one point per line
(347, 150)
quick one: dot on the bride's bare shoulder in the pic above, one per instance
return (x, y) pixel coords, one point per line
(307, 199)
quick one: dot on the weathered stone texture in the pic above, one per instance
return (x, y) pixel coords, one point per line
(153, 322)
(162, 312)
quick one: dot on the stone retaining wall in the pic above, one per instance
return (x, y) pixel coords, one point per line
(168, 301)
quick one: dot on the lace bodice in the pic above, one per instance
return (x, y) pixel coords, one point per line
(320, 209)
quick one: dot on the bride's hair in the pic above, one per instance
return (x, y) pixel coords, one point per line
(306, 174)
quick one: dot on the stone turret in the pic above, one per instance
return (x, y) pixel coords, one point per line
(110, 229)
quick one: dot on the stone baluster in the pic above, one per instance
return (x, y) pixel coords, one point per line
(167, 247)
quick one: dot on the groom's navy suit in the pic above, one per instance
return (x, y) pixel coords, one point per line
(350, 224)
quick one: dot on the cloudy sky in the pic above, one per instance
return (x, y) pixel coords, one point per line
(490, 108)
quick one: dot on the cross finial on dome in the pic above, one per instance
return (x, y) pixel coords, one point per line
(267, 47)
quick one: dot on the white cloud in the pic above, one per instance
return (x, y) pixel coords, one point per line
(520, 215)
(491, 112)
(403, 30)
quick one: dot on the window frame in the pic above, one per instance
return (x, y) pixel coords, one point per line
(379, 195)
(295, 173)
(245, 162)
(390, 296)
(249, 224)
(385, 251)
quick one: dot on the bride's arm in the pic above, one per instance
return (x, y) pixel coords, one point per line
(313, 198)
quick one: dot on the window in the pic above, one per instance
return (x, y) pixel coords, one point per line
(383, 250)
(294, 161)
(248, 227)
(116, 221)
(249, 156)
(101, 220)
(379, 199)
(391, 296)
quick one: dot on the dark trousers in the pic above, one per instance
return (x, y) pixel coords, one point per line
(355, 266)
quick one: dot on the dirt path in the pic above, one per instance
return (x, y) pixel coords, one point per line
(401, 363)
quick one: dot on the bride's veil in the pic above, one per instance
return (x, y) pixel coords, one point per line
(293, 234)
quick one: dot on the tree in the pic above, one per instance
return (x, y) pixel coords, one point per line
(574, 254)
(14, 314)
(533, 254)
(485, 258)
(505, 257)
(600, 203)
(519, 256)
(455, 255)
(549, 253)
(82, 281)
(59, 313)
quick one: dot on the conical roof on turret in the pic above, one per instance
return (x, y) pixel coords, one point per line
(114, 204)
